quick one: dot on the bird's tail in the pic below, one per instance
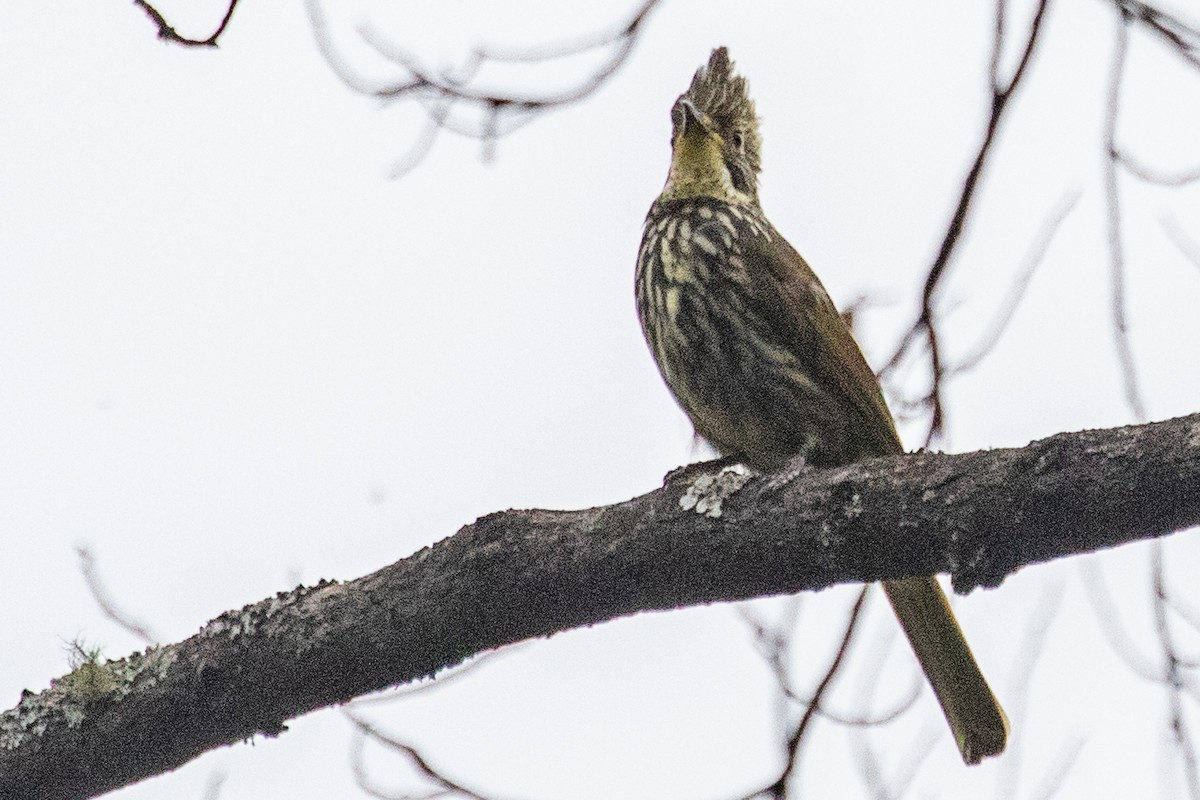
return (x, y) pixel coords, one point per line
(976, 719)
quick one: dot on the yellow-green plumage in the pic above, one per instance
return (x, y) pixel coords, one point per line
(757, 355)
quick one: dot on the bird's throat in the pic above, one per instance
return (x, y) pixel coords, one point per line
(698, 170)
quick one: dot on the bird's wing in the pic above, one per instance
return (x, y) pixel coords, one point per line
(785, 292)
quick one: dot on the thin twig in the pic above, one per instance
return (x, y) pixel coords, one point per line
(869, 720)
(1172, 678)
(1156, 176)
(883, 788)
(925, 327)
(169, 34)
(1016, 292)
(365, 730)
(779, 788)
(1186, 245)
(1055, 775)
(436, 116)
(1181, 37)
(1116, 247)
(214, 784)
(774, 642)
(1109, 620)
(1186, 611)
(871, 772)
(917, 754)
(441, 93)
(91, 576)
(1027, 656)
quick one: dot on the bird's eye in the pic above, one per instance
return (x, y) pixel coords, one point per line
(738, 142)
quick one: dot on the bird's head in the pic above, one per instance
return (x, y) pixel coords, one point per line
(715, 141)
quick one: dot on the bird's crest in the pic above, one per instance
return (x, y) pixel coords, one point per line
(725, 97)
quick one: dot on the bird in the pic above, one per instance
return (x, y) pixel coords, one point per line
(756, 354)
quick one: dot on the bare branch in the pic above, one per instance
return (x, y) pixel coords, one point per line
(925, 328)
(169, 34)
(519, 575)
(441, 93)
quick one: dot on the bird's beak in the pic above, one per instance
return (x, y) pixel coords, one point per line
(698, 167)
(688, 120)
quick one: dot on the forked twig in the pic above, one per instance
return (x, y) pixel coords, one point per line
(441, 93)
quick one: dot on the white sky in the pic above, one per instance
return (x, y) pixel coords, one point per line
(235, 355)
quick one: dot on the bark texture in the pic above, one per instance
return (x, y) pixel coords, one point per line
(705, 536)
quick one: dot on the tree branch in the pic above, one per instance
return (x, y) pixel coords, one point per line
(926, 323)
(515, 575)
(1179, 35)
(168, 34)
(1116, 240)
(497, 113)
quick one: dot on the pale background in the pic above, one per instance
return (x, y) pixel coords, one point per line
(235, 354)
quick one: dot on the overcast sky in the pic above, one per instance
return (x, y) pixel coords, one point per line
(235, 354)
